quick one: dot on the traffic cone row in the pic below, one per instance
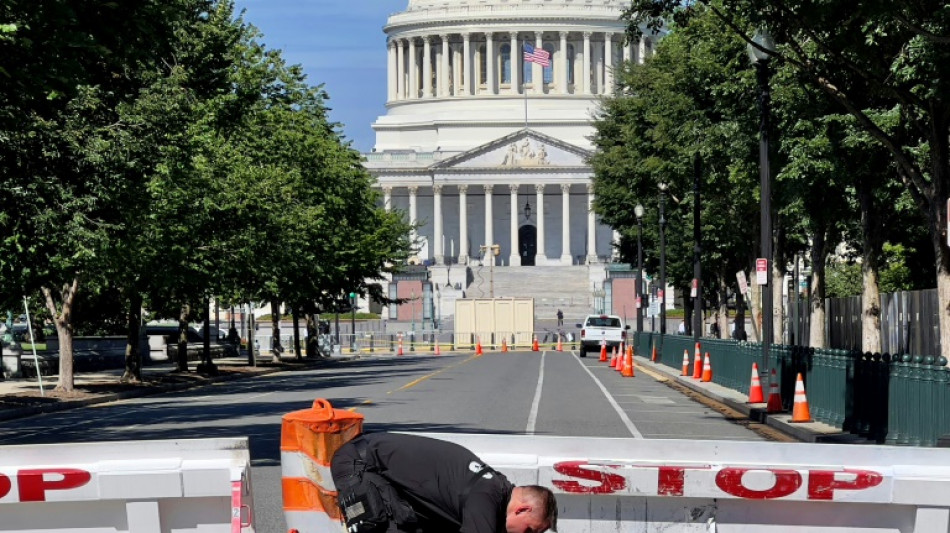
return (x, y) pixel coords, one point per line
(774, 404)
(800, 411)
(755, 389)
(685, 363)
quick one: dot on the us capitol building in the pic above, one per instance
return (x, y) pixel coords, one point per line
(480, 147)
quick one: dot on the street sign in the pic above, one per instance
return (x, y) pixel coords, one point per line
(743, 283)
(762, 271)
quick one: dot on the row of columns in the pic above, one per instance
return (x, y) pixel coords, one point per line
(404, 65)
(439, 253)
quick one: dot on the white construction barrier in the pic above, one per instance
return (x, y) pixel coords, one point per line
(170, 486)
(674, 486)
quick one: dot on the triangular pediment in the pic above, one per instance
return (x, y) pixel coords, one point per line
(520, 150)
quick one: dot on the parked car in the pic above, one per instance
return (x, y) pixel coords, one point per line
(597, 329)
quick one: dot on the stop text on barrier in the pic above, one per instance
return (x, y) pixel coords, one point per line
(32, 485)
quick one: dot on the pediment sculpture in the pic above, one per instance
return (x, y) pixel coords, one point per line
(525, 155)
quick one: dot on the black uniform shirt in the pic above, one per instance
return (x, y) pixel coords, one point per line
(434, 474)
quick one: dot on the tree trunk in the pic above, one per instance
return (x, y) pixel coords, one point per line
(296, 315)
(778, 283)
(312, 334)
(276, 348)
(755, 307)
(870, 266)
(722, 315)
(816, 302)
(133, 355)
(688, 309)
(62, 318)
(182, 359)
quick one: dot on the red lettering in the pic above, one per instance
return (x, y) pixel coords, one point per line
(33, 483)
(822, 483)
(671, 479)
(5, 485)
(609, 483)
(786, 482)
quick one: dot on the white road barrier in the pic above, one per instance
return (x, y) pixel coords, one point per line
(674, 486)
(170, 486)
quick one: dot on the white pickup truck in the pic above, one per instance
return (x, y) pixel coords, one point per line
(598, 329)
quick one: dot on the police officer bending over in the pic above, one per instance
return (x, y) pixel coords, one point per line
(390, 483)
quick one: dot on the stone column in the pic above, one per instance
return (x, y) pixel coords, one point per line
(456, 70)
(444, 77)
(537, 72)
(391, 73)
(463, 225)
(514, 259)
(489, 229)
(467, 63)
(412, 210)
(587, 62)
(413, 71)
(566, 224)
(598, 64)
(388, 198)
(608, 63)
(540, 257)
(615, 249)
(591, 226)
(628, 52)
(642, 50)
(562, 77)
(490, 63)
(400, 70)
(439, 253)
(426, 67)
(515, 59)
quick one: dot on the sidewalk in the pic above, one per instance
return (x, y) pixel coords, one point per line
(804, 432)
(22, 397)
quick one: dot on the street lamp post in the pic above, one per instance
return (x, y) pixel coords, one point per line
(761, 53)
(697, 253)
(638, 210)
(662, 295)
(495, 250)
(353, 321)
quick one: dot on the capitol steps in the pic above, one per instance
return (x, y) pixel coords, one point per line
(567, 288)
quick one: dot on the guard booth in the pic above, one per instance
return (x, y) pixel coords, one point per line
(490, 320)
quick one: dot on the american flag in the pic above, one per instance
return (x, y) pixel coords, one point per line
(537, 55)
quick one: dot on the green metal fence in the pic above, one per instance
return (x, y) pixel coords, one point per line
(900, 399)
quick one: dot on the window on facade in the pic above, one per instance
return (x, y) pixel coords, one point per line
(482, 65)
(571, 56)
(506, 63)
(548, 72)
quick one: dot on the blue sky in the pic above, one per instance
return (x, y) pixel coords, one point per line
(340, 43)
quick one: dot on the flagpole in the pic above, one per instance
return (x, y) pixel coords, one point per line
(524, 89)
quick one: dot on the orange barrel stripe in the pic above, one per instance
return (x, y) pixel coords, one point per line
(308, 440)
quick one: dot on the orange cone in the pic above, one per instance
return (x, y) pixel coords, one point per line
(603, 353)
(400, 345)
(478, 346)
(614, 359)
(653, 356)
(755, 389)
(685, 363)
(560, 344)
(438, 351)
(534, 345)
(775, 397)
(800, 412)
(619, 367)
(707, 370)
(627, 370)
(698, 364)
(504, 345)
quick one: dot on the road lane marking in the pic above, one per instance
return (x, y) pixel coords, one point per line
(415, 382)
(533, 415)
(623, 416)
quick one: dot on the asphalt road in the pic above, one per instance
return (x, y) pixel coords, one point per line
(550, 393)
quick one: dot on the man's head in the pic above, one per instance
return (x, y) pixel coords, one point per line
(531, 509)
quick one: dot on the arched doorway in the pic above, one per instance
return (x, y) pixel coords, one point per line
(527, 244)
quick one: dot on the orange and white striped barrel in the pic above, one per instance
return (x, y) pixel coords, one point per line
(308, 440)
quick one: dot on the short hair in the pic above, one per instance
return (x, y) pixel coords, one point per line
(546, 501)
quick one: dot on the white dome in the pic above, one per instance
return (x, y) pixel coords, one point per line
(431, 4)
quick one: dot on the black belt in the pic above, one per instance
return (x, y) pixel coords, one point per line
(471, 483)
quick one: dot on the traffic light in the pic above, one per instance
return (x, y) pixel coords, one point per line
(352, 295)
